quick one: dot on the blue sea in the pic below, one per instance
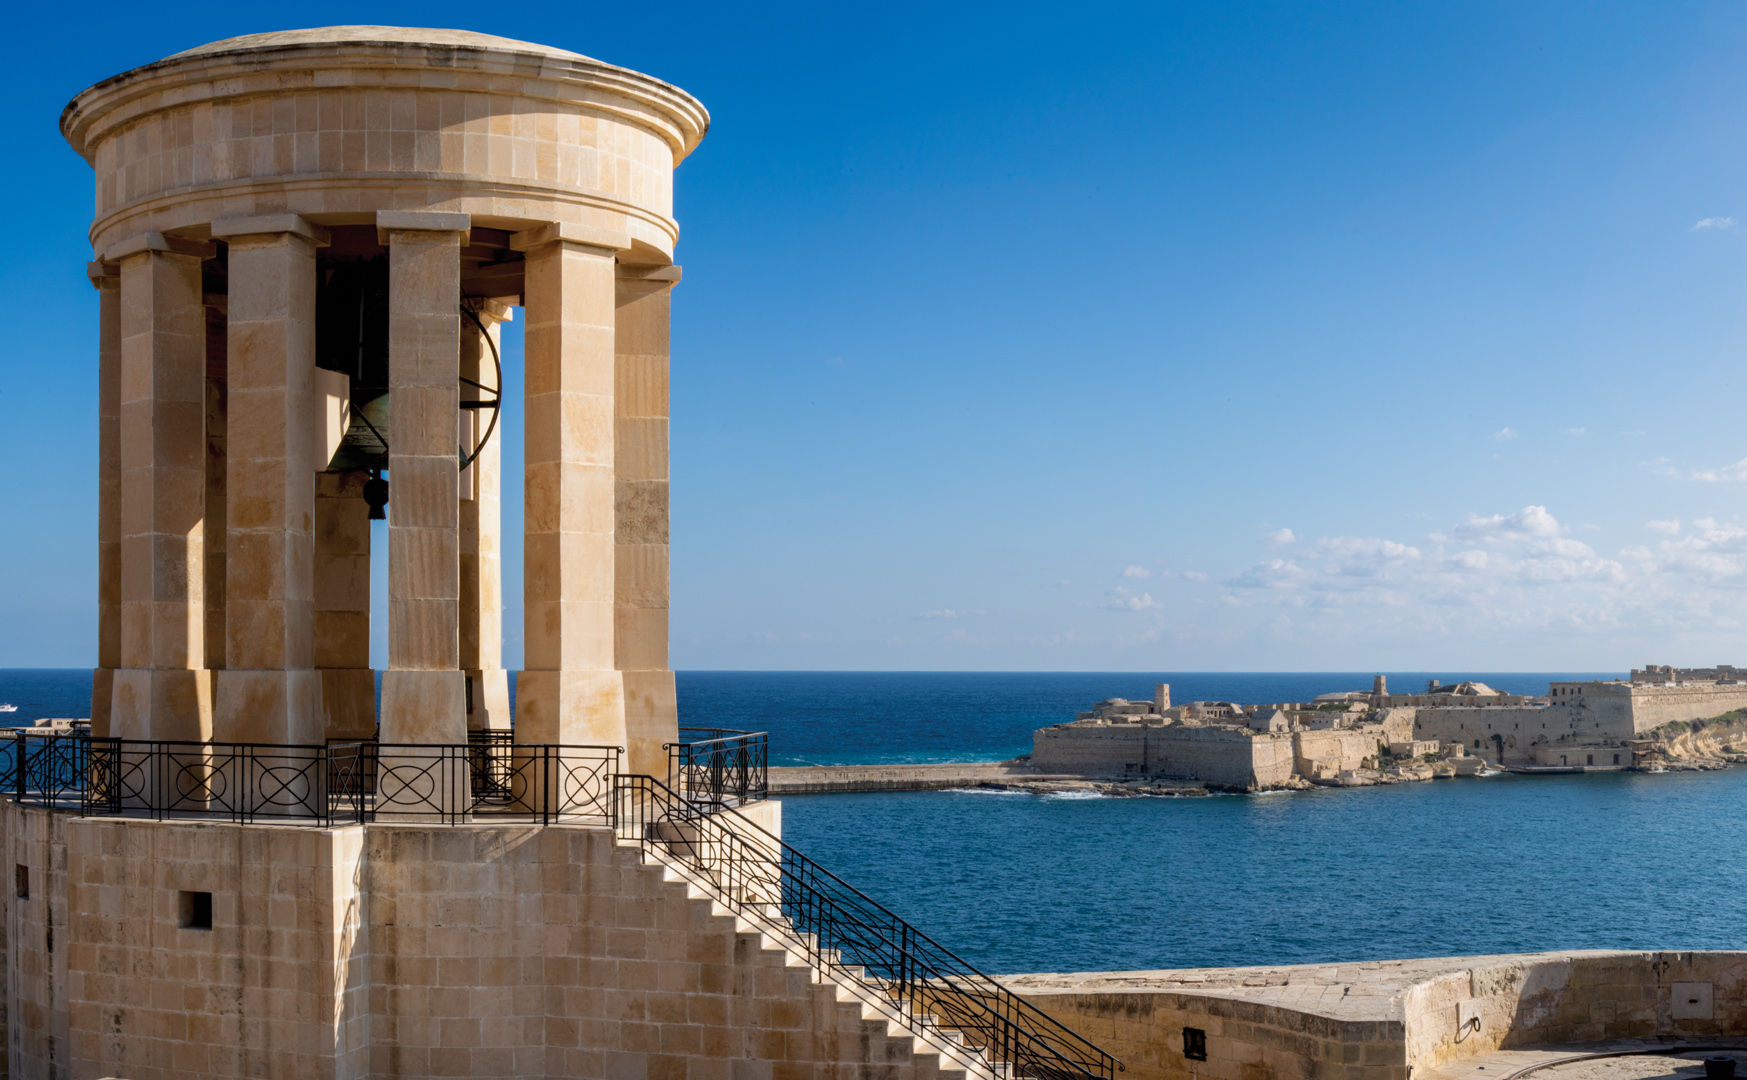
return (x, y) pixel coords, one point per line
(1020, 883)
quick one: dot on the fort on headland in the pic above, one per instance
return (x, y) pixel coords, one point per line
(1363, 737)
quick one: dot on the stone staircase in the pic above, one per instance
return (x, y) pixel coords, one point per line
(839, 1019)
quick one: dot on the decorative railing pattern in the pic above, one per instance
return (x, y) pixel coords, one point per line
(720, 765)
(337, 784)
(841, 930)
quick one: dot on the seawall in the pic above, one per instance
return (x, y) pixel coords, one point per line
(820, 779)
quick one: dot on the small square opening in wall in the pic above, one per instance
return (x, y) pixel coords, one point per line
(21, 880)
(1194, 1044)
(196, 910)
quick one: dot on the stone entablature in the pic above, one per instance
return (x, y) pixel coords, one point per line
(354, 120)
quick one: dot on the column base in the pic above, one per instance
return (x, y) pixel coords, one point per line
(585, 708)
(102, 696)
(429, 708)
(489, 700)
(424, 707)
(271, 707)
(161, 703)
(651, 720)
(348, 702)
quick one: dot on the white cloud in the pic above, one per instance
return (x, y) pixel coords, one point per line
(1712, 223)
(1530, 521)
(1484, 571)
(1728, 474)
(949, 613)
(1195, 575)
(1669, 527)
(1503, 434)
(1280, 537)
(1137, 572)
(1133, 602)
(1571, 431)
(1661, 466)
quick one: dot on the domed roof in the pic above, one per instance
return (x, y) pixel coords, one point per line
(396, 35)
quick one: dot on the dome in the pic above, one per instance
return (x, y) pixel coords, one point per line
(387, 35)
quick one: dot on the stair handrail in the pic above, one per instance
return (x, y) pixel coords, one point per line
(843, 930)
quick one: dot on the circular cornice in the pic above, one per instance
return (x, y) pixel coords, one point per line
(258, 63)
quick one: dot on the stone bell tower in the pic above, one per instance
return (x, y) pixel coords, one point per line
(304, 244)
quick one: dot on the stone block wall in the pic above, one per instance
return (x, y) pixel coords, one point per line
(1388, 1020)
(1557, 998)
(1326, 751)
(1217, 755)
(1653, 706)
(36, 947)
(411, 952)
(1245, 1040)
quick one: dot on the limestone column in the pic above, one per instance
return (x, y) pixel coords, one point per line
(106, 279)
(217, 347)
(342, 606)
(162, 690)
(423, 690)
(570, 690)
(268, 691)
(488, 685)
(640, 513)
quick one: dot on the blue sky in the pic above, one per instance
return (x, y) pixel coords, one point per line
(1154, 337)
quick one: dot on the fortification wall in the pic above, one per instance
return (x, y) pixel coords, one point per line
(1215, 755)
(1518, 727)
(1323, 753)
(1246, 1039)
(1391, 1019)
(1653, 706)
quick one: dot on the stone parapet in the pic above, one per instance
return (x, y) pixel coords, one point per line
(1389, 1020)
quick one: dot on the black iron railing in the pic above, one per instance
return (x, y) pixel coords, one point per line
(841, 930)
(719, 765)
(490, 758)
(334, 784)
(44, 767)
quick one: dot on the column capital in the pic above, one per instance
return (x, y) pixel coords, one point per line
(103, 273)
(489, 311)
(668, 274)
(232, 228)
(569, 232)
(389, 222)
(157, 241)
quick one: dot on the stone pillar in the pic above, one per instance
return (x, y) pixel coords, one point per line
(217, 349)
(423, 691)
(488, 684)
(269, 691)
(106, 278)
(342, 606)
(162, 690)
(640, 513)
(569, 690)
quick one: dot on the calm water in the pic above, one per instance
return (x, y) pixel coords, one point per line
(1049, 883)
